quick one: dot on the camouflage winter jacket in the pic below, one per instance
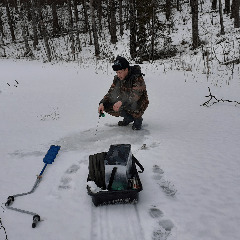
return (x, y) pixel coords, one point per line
(131, 92)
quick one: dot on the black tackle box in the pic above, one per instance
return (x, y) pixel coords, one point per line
(113, 176)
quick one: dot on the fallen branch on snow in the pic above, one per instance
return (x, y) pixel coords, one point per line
(215, 100)
(2, 227)
(236, 61)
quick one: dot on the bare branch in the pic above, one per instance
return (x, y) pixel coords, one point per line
(215, 100)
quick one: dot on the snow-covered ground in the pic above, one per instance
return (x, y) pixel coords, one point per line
(191, 159)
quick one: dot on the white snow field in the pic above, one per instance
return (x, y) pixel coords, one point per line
(192, 166)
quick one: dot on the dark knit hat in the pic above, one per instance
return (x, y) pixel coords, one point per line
(120, 63)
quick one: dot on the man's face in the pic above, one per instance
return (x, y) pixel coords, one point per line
(122, 73)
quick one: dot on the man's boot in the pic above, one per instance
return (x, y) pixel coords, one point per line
(137, 125)
(127, 118)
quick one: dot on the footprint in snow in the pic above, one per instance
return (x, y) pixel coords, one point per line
(166, 224)
(73, 169)
(155, 212)
(158, 172)
(157, 169)
(163, 230)
(64, 184)
(66, 180)
(166, 186)
(163, 227)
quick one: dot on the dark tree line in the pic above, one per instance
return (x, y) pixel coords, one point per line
(43, 20)
(232, 7)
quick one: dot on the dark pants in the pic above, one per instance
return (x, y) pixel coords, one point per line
(129, 118)
(123, 113)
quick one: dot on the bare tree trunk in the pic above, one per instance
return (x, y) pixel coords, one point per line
(15, 6)
(214, 4)
(75, 10)
(1, 24)
(94, 29)
(56, 27)
(195, 37)
(44, 31)
(133, 29)
(10, 21)
(86, 23)
(126, 14)
(109, 15)
(22, 16)
(113, 30)
(76, 18)
(178, 5)
(153, 32)
(227, 7)
(143, 19)
(34, 24)
(221, 17)
(236, 14)
(121, 17)
(28, 9)
(85, 13)
(168, 9)
(233, 8)
(99, 14)
(69, 5)
(191, 4)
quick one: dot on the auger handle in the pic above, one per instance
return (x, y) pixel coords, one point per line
(36, 219)
(9, 201)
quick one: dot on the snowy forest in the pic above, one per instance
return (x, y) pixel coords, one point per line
(60, 29)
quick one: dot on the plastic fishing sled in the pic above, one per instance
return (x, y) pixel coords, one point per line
(113, 176)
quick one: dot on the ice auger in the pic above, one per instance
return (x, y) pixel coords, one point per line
(48, 159)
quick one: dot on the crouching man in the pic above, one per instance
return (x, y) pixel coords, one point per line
(127, 96)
